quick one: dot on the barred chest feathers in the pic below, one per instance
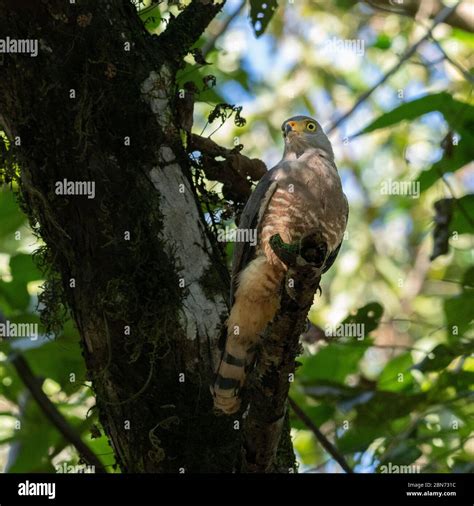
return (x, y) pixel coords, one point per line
(308, 195)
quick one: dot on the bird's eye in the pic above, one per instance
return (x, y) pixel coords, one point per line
(311, 127)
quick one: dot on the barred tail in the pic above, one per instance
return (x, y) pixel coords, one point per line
(229, 380)
(256, 302)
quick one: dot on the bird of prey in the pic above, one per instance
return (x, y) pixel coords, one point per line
(301, 194)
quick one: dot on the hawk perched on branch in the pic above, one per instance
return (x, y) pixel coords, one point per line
(301, 195)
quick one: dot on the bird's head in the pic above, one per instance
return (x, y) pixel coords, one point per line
(302, 133)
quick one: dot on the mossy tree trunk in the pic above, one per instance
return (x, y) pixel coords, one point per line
(134, 264)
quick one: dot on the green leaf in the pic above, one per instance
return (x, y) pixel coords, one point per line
(442, 355)
(11, 385)
(388, 406)
(369, 316)
(402, 454)
(345, 4)
(443, 102)
(462, 381)
(468, 278)
(261, 12)
(396, 375)
(458, 309)
(11, 218)
(318, 415)
(58, 360)
(33, 441)
(15, 294)
(439, 358)
(333, 363)
(307, 448)
(191, 73)
(459, 157)
(383, 41)
(24, 269)
(463, 36)
(242, 77)
(151, 17)
(358, 438)
(459, 314)
(101, 447)
(461, 223)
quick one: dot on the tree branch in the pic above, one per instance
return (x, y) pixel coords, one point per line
(325, 443)
(209, 45)
(463, 18)
(233, 169)
(270, 380)
(454, 63)
(184, 30)
(54, 416)
(443, 15)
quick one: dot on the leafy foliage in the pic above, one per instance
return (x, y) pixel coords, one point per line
(451, 109)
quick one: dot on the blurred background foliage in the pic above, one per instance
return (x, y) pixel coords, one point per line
(400, 393)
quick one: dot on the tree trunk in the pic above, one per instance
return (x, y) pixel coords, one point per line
(131, 258)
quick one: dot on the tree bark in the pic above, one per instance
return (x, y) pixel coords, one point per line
(135, 264)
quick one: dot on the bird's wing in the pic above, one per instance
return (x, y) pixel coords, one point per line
(250, 218)
(332, 256)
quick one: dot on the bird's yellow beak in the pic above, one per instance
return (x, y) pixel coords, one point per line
(293, 126)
